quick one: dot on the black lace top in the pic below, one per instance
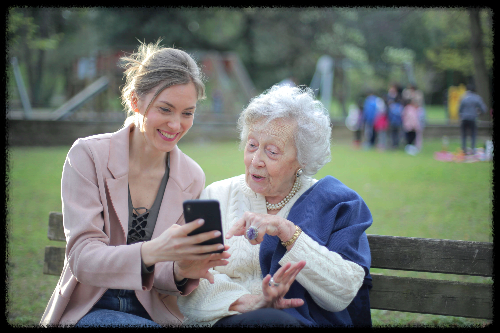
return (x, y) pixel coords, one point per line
(142, 221)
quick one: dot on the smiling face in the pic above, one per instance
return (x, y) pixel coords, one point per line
(170, 115)
(270, 159)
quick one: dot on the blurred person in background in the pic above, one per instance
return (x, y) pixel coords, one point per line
(471, 105)
(395, 109)
(413, 95)
(358, 132)
(419, 139)
(419, 96)
(299, 251)
(128, 255)
(354, 121)
(411, 125)
(369, 115)
(393, 91)
(381, 124)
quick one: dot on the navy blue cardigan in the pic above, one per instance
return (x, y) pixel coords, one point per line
(336, 217)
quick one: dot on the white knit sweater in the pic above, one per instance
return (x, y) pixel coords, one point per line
(332, 281)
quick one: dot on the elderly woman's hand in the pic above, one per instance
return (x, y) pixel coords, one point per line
(272, 295)
(283, 278)
(265, 224)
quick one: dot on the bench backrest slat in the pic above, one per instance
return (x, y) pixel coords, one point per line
(431, 255)
(438, 297)
(54, 260)
(56, 228)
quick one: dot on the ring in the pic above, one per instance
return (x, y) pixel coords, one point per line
(272, 283)
(252, 233)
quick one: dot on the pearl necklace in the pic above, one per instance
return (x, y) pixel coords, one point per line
(282, 203)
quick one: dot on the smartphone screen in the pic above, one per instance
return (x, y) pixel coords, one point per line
(209, 211)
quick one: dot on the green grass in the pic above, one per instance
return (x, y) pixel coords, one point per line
(34, 191)
(414, 196)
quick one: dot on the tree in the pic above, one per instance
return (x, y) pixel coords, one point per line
(30, 41)
(480, 71)
(47, 41)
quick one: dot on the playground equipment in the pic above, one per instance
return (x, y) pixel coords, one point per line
(81, 98)
(22, 89)
(322, 80)
(228, 88)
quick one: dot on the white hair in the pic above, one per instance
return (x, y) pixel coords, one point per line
(313, 132)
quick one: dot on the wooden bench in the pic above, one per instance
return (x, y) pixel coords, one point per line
(430, 296)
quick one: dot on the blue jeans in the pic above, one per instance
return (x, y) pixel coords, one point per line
(117, 307)
(267, 317)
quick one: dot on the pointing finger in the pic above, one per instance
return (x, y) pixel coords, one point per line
(237, 229)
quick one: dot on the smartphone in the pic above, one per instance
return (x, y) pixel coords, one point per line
(209, 211)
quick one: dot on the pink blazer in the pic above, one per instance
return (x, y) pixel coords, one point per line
(94, 192)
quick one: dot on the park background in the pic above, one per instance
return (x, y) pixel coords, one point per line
(63, 82)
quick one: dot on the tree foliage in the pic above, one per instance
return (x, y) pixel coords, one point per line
(450, 44)
(273, 43)
(47, 41)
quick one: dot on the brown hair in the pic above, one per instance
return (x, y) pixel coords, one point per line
(155, 66)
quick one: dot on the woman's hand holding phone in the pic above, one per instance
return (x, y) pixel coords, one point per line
(191, 259)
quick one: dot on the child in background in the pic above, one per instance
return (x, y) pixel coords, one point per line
(381, 124)
(359, 124)
(395, 120)
(411, 125)
(354, 121)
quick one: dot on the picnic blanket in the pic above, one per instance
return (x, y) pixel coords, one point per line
(460, 157)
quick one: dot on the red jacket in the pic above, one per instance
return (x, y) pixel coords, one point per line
(381, 122)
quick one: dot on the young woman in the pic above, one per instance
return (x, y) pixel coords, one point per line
(128, 255)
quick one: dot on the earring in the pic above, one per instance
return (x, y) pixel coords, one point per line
(299, 172)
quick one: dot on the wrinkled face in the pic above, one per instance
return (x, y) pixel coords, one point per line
(270, 158)
(170, 115)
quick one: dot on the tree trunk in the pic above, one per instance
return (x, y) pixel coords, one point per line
(480, 72)
(341, 89)
(250, 42)
(38, 76)
(26, 58)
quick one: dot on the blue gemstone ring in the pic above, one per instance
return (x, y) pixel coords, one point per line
(252, 233)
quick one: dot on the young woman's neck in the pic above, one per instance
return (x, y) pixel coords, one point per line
(144, 155)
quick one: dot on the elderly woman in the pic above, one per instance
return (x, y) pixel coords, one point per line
(304, 259)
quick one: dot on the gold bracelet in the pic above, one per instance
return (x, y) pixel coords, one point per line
(294, 238)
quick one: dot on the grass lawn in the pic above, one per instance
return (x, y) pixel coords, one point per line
(413, 196)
